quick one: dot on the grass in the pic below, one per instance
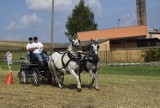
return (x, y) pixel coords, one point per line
(15, 66)
(133, 70)
(119, 87)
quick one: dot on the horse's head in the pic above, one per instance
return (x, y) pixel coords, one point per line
(74, 41)
(94, 47)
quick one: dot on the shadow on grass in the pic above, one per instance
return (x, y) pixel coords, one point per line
(74, 86)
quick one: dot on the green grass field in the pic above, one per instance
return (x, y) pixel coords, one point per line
(120, 87)
(125, 87)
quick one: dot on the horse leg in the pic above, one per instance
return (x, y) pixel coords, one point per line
(77, 78)
(51, 71)
(96, 78)
(57, 79)
(93, 78)
(50, 64)
(55, 75)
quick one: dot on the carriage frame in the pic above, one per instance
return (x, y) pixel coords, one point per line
(34, 73)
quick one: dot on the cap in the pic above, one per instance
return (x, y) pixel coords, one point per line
(30, 38)
(35, 38)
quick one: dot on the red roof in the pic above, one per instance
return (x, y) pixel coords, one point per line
(123, 32)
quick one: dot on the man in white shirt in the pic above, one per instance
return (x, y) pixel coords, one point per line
(35, 46)
(44, 55)
(28, 47)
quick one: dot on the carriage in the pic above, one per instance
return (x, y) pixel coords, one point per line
(33, 72)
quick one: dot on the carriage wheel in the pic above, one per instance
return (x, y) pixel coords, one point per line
(35, 77)
(23, 76)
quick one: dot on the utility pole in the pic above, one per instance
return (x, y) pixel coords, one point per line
(52, 25)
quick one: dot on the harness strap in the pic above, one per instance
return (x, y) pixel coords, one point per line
(65, 65)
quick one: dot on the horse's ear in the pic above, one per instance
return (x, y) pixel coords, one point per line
(91, 40)
(75, 36)
(70, 39)
(96, 40)
(68, 36)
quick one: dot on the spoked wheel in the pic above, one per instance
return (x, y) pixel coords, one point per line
(23, 76)
(35, 77)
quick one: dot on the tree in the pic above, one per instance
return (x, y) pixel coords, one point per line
(81, 19)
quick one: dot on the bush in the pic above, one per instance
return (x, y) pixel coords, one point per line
(152, 54)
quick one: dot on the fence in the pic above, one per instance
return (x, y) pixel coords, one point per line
(136, 55)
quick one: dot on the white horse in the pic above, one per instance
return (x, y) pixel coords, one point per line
(90, 62)
(65, 63)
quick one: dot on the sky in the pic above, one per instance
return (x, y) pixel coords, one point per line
(20, 19)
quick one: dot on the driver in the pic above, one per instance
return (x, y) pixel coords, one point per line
(40, 47)
(36, 46)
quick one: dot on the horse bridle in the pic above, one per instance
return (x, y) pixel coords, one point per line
(75, 44)
(91, 50)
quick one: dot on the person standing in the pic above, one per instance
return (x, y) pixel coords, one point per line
(9, 60)
(28, 47)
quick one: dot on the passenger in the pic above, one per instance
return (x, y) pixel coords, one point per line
(28, 47)
(43, 54)
(35, 46)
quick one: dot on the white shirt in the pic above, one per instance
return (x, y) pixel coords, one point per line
(28, 46)
(9, 56)
(39, 47)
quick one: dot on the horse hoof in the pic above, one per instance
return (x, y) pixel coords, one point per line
(78, 90)
(97, 89)
(61, 87)
(90, 87)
